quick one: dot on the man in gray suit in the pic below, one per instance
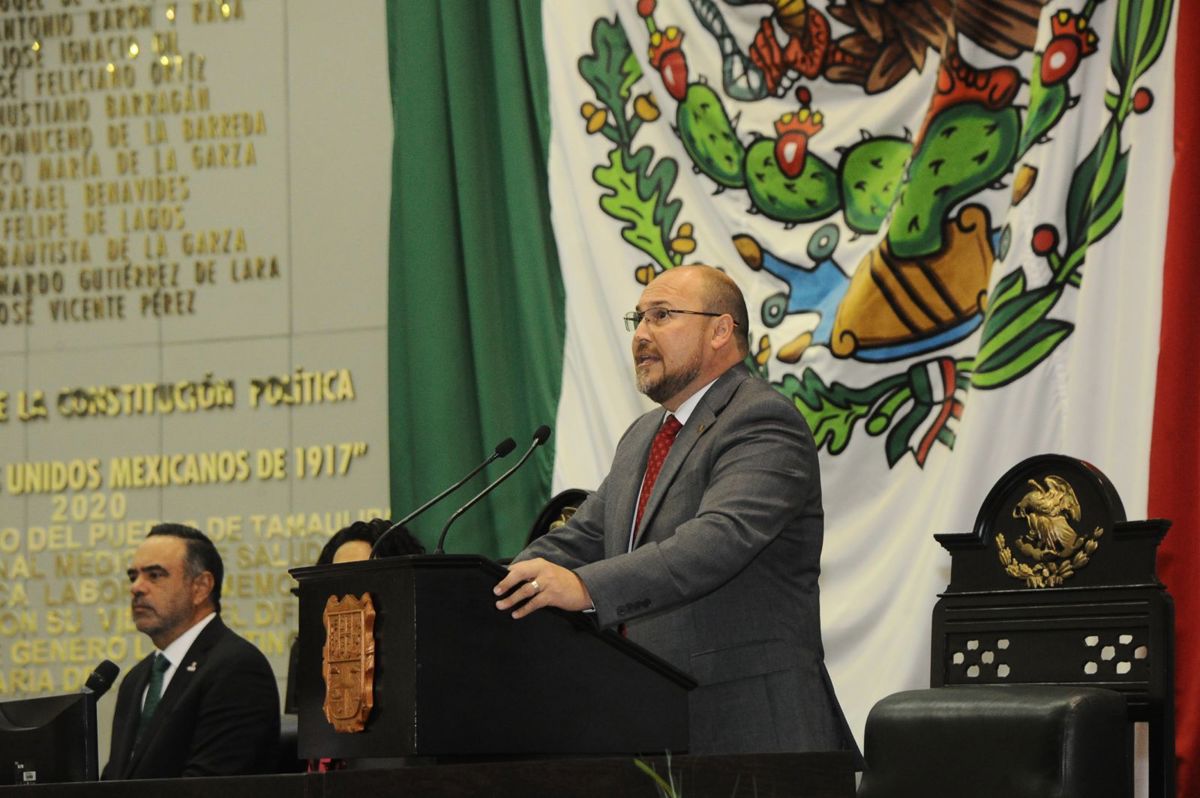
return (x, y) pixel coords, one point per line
(719, 576)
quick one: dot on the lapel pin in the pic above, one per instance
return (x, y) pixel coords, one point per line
(192, 668)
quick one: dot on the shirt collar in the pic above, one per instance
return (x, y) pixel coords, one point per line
(179, 647)
(684, 412)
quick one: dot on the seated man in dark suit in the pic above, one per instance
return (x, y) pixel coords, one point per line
(703, 543)
(205, 703)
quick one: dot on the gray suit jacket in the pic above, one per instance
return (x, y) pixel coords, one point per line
(722, 582)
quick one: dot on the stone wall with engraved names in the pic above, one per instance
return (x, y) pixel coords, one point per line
(193, 246)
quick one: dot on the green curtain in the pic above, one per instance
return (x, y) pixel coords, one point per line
(475, 300)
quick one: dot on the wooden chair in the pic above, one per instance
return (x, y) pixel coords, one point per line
(1053, 589)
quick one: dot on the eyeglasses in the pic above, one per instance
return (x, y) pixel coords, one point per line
(657, 316)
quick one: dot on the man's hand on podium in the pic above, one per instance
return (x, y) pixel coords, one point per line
(541, 583)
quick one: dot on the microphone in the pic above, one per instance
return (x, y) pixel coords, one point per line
(102, 678)
(502, 450)
(539, 437)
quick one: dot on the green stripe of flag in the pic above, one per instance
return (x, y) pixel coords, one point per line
(475, 306)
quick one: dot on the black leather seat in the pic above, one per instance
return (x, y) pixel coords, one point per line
(1016, 741)
(1053, 637)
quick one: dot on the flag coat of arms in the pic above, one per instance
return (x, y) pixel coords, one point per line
(946, 219)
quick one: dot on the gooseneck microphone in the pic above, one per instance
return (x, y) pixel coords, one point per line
(539, 437)
(102, 678)
(503, 449)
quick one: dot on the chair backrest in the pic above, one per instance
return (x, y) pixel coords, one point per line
(1054, 586)
(556, 512)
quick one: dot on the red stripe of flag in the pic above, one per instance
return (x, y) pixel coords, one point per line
(1175, 443)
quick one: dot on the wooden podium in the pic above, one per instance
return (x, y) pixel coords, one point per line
(452, 676)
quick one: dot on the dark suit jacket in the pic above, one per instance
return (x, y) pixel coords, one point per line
(723, 580)
(218, 718)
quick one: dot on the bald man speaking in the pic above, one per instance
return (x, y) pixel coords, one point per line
(703, 543)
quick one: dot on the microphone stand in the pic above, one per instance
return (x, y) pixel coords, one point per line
(502, 450)
(539, 437)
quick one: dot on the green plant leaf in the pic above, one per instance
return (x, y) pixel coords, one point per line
(664, 789)
(832, 424)
(1151, 19)
(1009, 320)
(631, 73)
(899, 440)
(1010, 286)
(1124, 42)
(1103, 216)
(1023, 355)
(625, 203)
(1114, 186)
(946, 437)
(1047, 104)
(1088, 182)
(832, 411)
(928, 398)
(1026, 340)
(1107, 210)
(611, 69)
(885, 410)
(654, 182)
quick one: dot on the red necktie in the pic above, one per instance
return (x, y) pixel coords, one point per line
(658, 455)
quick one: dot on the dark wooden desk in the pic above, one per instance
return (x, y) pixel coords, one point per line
(826, 775)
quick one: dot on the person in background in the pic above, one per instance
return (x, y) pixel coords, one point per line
(354, 542)
(351, 544)
(205, 702)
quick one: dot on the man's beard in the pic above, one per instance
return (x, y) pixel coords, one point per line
(671, 383)
(160, 619)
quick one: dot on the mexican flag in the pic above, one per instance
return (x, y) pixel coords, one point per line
(954, 225)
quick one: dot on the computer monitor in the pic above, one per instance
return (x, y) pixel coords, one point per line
(48, 739)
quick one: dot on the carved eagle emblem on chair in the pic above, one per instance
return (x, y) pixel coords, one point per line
(1048, 512)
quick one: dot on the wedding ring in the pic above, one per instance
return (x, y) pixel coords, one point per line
(536, 587)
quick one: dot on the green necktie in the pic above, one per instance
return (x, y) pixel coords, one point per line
(154, 691)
